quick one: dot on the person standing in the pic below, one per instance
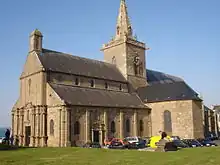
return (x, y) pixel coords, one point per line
(7, 136)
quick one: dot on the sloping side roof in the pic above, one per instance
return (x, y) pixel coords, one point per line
(206, 108)
(155, 77)
(97, 97)
(216, 107)
(65, 63)
(16, 105)
(167, 92)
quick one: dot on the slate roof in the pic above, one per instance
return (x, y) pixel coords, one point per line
(167, 92)
(162, 87)
(65, 63)
(207, 108)
(97, 97)
(155, 77)
(216, 107)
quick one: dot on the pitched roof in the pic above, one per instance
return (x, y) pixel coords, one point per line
(206, 108)
(16, 105)
(155, 77)
(216, 107)
(167, 92)
(65, 63)
(96, 97)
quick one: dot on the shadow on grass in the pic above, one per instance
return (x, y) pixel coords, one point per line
(5, 147)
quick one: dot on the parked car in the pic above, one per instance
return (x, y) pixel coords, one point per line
(207, 142)
(132, 146)
(147, 139)
(192, 143)
(180, 144)
(136, 145)
(135, 142)
(175, 138)
(92, 145)
(109, 141)
(212, 137)
(116, 144)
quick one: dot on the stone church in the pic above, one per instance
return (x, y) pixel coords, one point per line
(67, 100)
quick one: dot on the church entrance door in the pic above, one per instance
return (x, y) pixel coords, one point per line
(27, 135)
(96, 136)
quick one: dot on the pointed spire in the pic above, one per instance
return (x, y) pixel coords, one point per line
(123, 23)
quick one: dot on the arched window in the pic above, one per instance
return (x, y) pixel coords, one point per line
(141, 126)
(127, 125)
(29, 86)
(76, 128)
(120, 87)
(92, 83)
(167, 121)
(28, 117)
(114, 60)
(51, 128)
(118, 30)
(77, 81)
(36, 42)
(106, 85)
(113, 127)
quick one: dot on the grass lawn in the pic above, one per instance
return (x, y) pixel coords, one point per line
(80, 156)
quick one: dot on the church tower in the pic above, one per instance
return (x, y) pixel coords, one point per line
(126, 52)
(36, 41)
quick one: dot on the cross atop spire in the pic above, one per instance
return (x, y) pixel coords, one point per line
(123, 23)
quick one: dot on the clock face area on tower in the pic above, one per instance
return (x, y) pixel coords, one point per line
(138, 66)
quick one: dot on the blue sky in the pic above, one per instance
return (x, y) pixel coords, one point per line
(184, 37)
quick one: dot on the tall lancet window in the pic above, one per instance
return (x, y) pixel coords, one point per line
(113, 130)
(114, 60)
(29, 87)
(167, 121)
(36, 42)
(127, 126)
(51, 127)
(118, 32)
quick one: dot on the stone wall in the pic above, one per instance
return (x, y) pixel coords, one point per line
(67, 79)
(124, 53)
(52, 98)
(33, 82)
(117, 51)
(182, 113)
(197, 119)
(90, 119)
(132, 51)
(29, 125)
(145, 116)
(54, 138)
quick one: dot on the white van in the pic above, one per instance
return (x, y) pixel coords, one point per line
(134, 139)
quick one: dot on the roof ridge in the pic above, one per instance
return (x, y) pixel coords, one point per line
(110, 71)
(165, 73)
(163, 84)
(72, 55)
(96, 97)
